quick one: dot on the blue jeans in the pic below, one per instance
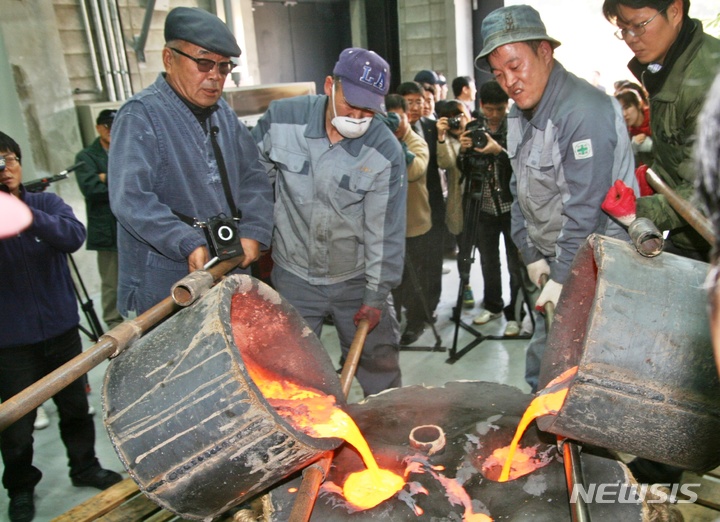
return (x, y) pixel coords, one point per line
(20, 367)
(379, 367)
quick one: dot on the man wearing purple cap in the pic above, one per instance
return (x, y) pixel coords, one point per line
(340, 198)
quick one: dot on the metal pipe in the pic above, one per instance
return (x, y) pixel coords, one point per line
(104, 59)
(579, 511)
(109, 345)
(110, 43)
(571, 455)
(314, 475)
(646, 237)
(91, 47)
(120, 49)
(684, 208)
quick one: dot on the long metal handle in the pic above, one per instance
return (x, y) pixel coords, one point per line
(685, 209)
(109, 345)
(579, 511)
(314, 475)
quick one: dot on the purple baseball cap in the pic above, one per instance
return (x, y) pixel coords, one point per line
(365, 78)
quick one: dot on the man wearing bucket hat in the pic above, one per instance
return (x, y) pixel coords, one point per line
(180, 157)
(567, 144)
(339, 237)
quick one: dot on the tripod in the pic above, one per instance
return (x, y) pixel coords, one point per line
(96, 329)
(467, 244)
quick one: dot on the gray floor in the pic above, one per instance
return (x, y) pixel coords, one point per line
(493, 361)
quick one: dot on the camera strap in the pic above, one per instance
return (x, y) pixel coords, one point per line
(214, 131)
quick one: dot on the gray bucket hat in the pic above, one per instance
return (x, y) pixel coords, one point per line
(510, 24)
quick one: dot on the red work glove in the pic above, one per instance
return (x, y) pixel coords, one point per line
(369, 313)
(645, 188)
(620, 203)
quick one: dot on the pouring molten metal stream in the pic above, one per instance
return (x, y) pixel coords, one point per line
(548, 402)
(316, 414)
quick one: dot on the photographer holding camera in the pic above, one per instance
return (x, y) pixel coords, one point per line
(186, 184)
(485, 165)
(38, 334)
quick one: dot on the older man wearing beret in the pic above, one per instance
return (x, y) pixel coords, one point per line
(180, 158)
(567, 144)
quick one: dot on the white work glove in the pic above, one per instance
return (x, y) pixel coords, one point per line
(550, 294)
(536, 269)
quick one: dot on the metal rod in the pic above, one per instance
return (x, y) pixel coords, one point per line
(120, 49)
(102, 49)
(684, 208)
(141, 39)
(573, 475)
(112, 48)
(571, 454)
(109, 345)
(91, 47)
(314, 475)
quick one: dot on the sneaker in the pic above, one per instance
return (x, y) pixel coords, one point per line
(468, 297)
(41, 420)
(91, 410)
(96, 478)
(22, 507)
(446, 270)
(486, 317)
(512, 329)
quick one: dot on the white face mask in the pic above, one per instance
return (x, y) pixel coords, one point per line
(347, 126)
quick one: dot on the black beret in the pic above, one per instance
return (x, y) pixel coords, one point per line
(202, 29)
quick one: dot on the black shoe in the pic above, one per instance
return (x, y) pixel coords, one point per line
(22, 507)
(412, 334)
(96, 478)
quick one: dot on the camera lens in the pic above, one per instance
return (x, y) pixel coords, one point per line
(454, 123)
(479, 138)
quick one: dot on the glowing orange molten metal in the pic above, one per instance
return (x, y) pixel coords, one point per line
(316, 414)
(548, 402)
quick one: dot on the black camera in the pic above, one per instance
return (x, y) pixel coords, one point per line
(477, 133)
(454, 122)
(222, 237)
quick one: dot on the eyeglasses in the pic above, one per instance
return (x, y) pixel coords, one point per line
(204, 65)
(637, 29)
(11, 160)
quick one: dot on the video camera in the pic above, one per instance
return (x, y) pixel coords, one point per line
(39, 185)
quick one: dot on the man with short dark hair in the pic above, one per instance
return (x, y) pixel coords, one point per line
(91, 177)
(180, 157)
(676, 63)
(413, 93)
(464, 90)
(339, 236)
(567, 142)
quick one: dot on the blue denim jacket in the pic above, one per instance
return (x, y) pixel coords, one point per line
(162, 165)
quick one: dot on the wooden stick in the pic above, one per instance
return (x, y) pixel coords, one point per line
(315, 474)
